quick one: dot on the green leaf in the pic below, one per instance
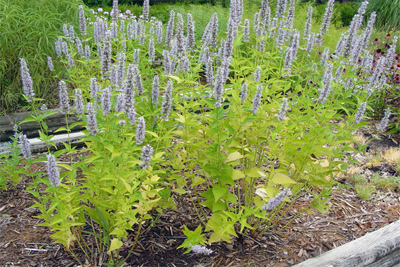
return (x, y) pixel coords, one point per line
(219, 191)
(223, 229)
(65, 166)
(115, 244)
(254, 172)
(233, 156)
(181, 118)
(280, 178)
(237, 174)
(180, 191)
(192, 238)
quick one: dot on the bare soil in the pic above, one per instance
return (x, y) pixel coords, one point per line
(23, 243)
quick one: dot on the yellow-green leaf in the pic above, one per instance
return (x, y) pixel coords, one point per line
(256, 173)
(180, 191)
(179, 80)
(234, 156)
(115, 244)
(280, 178)
(65, 166)
(236, 174)
(181, 118)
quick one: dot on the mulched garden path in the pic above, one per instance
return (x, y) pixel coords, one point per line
(22, 243)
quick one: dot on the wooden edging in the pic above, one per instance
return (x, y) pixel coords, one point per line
(31, 129)
(380, 248)
(37, 145)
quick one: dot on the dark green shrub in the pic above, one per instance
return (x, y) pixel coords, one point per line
(92, 3)
(347, 12)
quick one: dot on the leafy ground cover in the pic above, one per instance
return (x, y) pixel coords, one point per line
(242, 132)
(25, 244)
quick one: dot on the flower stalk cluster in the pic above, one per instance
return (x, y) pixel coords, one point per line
(52, 171)
(27, 85)
(25, 146)
(63, 97)
(275, 201)
(147, 152)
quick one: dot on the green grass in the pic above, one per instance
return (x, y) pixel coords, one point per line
(364, 191)
(28, 30)
(388, 14)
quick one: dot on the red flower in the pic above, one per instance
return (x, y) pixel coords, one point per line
(388, 36)
(377, 41)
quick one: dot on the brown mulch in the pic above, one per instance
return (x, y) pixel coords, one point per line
(23, 243)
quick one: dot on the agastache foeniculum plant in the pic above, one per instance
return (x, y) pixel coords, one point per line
(237, 107)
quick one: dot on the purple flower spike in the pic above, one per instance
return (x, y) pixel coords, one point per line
(52, 171)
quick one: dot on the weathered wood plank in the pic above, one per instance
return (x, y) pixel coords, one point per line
(39, 146)
(53, 121)
(379, 248)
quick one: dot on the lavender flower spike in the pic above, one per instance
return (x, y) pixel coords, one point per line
(93, 88)
(50, 63)
(275, 201)
(91, 119)
(25, 146)
(283, 109)
(78, 101)
(360, 112)
(131, 115)
(52, 171)
(140, 130)
(145, 9)
(136, 56)
(82, 20)
(257, 74)
(246, 30)
(87, 53)
(63, 97)
(326, 89)
(243, 92)
(167, 101)
(26, 79)
(106, 101)
(326, 20)
(155, 89)
(191, 41)
(147, 152)
(307, 28)
(385, 120)
(257, 98)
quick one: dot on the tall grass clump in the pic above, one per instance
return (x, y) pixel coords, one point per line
(388, 11)
(28, 30)
(245, 120)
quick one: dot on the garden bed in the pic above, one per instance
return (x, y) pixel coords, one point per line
(23, 243)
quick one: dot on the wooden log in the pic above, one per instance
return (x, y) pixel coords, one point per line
(31, 129)
(75, 139)
(379, 248)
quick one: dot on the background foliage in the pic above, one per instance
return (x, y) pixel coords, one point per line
(28, 30)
